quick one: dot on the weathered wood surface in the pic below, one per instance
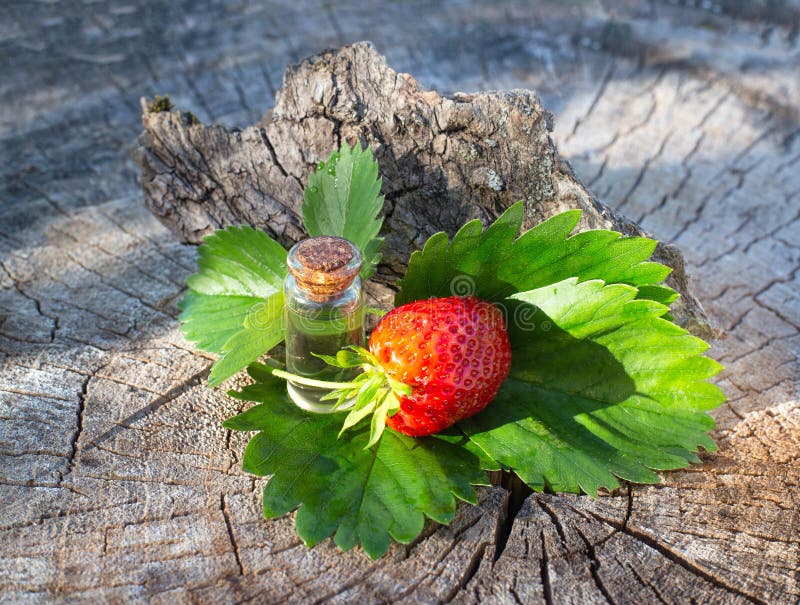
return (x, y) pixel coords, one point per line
(444, 161)
(116, 480)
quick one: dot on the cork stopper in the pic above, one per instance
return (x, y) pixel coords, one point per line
(324, 266)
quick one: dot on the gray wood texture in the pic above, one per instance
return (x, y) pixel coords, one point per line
(116, 481)
(443, 160)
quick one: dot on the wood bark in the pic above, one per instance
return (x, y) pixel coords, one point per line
(443, 161)
(117, 483)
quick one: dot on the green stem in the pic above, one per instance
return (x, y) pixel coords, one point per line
(375, 311)
(310, 382)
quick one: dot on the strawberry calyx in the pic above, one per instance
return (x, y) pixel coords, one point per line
(373, 392)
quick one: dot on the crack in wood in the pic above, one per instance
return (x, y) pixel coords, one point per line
(104, 280)
(544, 573)
(604, 82)
(554, 518)
(347, 585)
(194, 380)
(643, 171)
(594, 566)
(36, 302)
(54, 397)
(74, 175)
(223, 507)
(74, 442)
(619, 135)
(518, 491)
(271, 151)
(678, 558)
(652, 587)
(470, 570)
(144, 238)
(44, 484)
(356, 97)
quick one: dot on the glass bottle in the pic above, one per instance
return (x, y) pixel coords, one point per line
(324, 313)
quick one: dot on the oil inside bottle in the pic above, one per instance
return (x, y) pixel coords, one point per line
(323, 333)
(324, 313)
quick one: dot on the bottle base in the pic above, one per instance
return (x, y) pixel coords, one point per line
(311, 405)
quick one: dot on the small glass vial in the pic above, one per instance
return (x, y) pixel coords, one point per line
(324, 313)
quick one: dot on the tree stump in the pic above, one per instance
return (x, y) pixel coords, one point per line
(443, 161)
(117, 482)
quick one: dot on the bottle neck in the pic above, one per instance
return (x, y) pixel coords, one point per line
(324, 266)
(321, 291)
(298, 291)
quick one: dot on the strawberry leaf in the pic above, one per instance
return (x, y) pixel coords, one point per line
(234, 305)
(495, 263)
(343, 198)
(601, 387)
(367, 496)
(209, 321)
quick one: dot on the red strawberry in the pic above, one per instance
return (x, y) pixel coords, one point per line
(452, 352)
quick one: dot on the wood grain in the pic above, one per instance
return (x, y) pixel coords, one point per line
(443, 161)
(117, 482)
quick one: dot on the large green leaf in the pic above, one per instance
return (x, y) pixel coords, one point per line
(357, 495)
(209, 321)
(601, 386)
(234, 305)
(344, 198)
(494, 264)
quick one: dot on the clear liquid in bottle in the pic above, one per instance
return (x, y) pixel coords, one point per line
(324, 313)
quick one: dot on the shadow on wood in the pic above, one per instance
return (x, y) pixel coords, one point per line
(443, 161)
